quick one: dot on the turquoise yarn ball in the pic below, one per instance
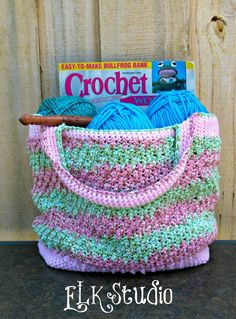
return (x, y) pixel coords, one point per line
(173, 107)
(67, 105)
(120, 116)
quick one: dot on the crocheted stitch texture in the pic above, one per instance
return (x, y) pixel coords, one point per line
(128, 201)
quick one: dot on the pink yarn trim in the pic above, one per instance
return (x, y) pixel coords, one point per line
(205, 126)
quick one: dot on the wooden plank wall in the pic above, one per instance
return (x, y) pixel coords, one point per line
(37, 34)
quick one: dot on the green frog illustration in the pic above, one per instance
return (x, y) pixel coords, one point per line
(168, 78)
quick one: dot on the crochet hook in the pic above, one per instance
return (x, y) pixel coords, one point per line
(27, 119)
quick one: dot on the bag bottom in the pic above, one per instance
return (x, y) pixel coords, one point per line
(58, 260)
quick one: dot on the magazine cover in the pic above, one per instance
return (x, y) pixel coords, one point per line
(136, 82)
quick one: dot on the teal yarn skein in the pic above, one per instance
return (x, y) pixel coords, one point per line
(173, 107)
(67, 105)
(120, 116)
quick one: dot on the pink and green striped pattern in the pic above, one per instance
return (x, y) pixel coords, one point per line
(126, 201)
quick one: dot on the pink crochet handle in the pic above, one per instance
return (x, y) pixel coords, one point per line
(51, 139)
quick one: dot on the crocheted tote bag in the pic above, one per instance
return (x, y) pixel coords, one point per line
(126, 201)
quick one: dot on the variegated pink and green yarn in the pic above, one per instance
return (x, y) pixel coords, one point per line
(126, 200)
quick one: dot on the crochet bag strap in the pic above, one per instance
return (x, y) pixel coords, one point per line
(51, 139)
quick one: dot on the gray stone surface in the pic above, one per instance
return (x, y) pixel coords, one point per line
(30, 289)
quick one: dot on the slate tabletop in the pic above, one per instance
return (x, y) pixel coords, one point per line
(30, 289)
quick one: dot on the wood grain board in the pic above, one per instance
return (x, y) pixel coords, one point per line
(38, 34)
